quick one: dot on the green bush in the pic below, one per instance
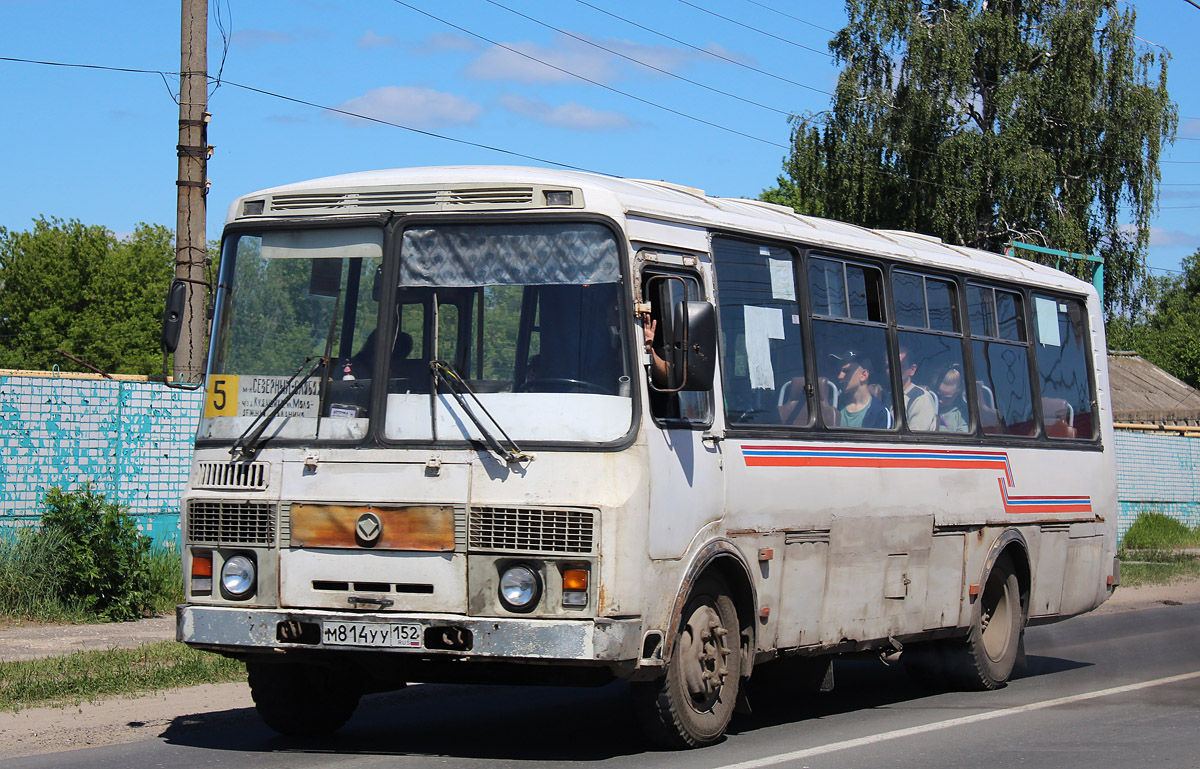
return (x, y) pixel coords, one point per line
(103, 561)
(1155, 531)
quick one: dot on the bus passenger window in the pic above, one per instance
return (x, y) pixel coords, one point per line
(762, 341)
(1062, 357)
(931, 354)
(850, 339)
(1001, 353)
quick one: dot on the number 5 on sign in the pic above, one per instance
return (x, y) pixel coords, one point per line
(222, 396)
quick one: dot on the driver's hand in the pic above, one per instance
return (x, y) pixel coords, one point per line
(649, 325)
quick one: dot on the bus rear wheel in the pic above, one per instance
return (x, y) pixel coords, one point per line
(301, 700)
(986, 657)
(691, 705)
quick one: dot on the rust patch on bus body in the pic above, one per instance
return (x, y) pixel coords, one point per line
(428, 528)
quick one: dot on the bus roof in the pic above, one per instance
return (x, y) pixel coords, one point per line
(518, 188)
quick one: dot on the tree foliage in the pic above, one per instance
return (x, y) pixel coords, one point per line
(78, 288)
(1169, 335)
(986, 121)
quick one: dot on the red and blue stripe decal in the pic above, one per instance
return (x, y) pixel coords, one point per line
(767, 455)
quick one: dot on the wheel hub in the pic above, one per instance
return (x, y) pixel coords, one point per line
(705, 654)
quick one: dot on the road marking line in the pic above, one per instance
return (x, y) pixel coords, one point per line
(964, 720)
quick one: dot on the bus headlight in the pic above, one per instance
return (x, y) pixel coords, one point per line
(237, 576)
(520, 588)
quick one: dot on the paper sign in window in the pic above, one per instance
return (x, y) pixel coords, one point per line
(762, 325)
(1047, 321)
(783, 286)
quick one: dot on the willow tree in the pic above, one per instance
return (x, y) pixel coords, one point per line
(985, 122)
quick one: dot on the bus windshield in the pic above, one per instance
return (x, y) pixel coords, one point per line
(526, 314)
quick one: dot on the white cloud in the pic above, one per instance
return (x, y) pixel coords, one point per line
(570, 115)
(418, 107)
(730, 54)
(1189, 128)
(446, 42)
(370, 40)
(574, 56)
(1163, 237)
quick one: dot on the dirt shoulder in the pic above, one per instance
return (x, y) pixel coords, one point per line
(132, 719)
(32, 640)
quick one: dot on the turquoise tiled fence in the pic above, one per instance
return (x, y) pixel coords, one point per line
(1158, 473)
(132, 440)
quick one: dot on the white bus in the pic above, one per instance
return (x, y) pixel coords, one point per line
(440, 444)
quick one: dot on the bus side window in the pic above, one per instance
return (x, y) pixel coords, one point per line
(663, 291)
(930, 354)
(1062, 357)
(764, 377)
(850, 340)
(1001, 358)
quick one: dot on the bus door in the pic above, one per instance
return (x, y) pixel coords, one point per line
(687, 486)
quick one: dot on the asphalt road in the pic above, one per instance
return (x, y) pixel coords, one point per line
(1116, 690)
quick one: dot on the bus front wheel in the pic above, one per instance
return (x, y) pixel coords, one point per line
(300, 700)
(692, 704)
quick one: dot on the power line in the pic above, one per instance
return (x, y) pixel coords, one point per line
(885, 105)
(306, 103)
(756, 29)
(465, 142)
(596, 83)
(422, 132)
(794, 18)
(638, 61)
(707, 52)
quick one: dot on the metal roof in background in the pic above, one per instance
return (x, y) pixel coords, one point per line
(1142, 392)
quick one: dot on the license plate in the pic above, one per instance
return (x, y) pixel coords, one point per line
(380, 634)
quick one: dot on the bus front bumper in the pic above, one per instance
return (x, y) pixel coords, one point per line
(234, 629)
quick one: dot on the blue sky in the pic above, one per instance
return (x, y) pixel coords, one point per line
(99, 146)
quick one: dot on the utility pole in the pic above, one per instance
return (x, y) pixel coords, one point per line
(191, 249)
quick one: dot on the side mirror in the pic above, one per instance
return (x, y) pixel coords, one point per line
(172, 325)
(695, 347)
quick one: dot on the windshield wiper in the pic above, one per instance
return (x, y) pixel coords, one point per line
(247, 442)
(445, 372)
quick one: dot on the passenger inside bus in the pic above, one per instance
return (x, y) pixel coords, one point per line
(920, 405)
(953, 416)
(858, 407)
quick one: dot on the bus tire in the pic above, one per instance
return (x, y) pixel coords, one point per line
(692, 704)
(301, 700)
(986, 657)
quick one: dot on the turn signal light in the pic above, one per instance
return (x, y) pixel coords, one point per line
(202, 569)
(575, 579)
(574, 587)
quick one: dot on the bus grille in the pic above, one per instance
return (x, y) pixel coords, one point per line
(225, 475)
(532, 530)
(215, 522)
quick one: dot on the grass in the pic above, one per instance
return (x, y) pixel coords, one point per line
(31, 575)
(93, 675)
(1154, 551)
(1155, 531)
